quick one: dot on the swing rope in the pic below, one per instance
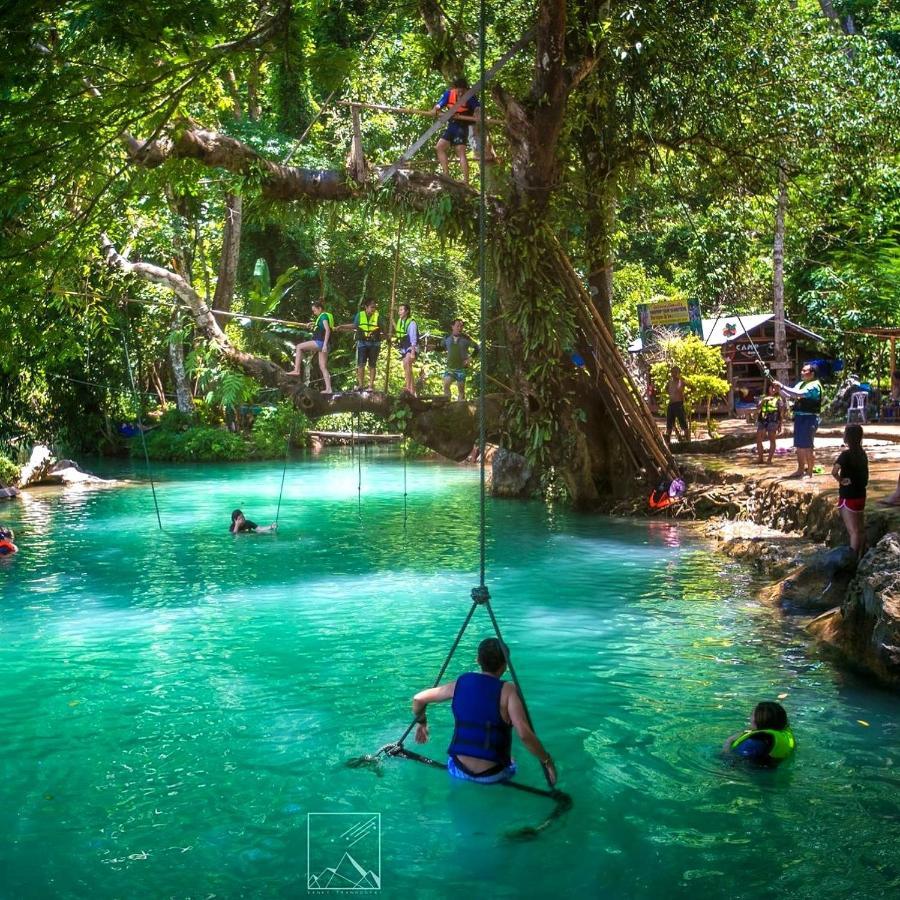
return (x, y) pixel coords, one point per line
(140, 406)
(287, 450)
(480, 594)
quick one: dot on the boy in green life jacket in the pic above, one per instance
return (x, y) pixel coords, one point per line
(768, 741)
(769, 419)
(368, 342)
(460, 348)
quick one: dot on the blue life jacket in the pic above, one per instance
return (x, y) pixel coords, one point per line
(480, 730)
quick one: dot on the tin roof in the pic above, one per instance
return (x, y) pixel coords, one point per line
(714, 329)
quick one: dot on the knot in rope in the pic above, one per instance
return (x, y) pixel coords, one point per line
(481, 594)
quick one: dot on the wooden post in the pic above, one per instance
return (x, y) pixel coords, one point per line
(387, 365)
(893, 359)
(780, 364)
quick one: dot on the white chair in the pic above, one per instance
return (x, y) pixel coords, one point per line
(858, 400)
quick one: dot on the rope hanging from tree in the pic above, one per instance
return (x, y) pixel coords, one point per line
(480, 594)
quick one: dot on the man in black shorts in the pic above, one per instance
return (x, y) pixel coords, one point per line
(457, 132)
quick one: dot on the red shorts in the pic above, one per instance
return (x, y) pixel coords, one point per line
(857, 504)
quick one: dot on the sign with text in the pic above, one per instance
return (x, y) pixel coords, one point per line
(679, 316)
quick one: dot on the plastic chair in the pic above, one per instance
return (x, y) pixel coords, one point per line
(858, 401)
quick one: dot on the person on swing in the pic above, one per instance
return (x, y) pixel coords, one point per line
(486, 709)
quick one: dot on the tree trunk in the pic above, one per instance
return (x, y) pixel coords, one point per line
(184, 399)
(228, 261)
(781, 365)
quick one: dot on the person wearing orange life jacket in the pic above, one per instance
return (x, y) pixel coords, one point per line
(7, 547)
(456, 133)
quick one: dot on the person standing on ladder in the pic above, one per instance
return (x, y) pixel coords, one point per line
(320, 343)
(368, 342)
(486, 709)
(456, 133)
(406, 333)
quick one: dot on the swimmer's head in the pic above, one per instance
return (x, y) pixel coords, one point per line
(769, 715)
(236, 517)
(7, 534)
(491, 656)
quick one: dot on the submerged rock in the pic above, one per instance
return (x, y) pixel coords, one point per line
(865, 628)
(818, 584)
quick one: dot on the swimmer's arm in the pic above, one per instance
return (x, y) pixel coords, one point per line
(726, 747)
(438, 694)
(266, 529)
(526, 734)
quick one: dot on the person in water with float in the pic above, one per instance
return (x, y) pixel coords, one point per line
(485, 709)
(240, 524)
(7, 547)
(768, 741)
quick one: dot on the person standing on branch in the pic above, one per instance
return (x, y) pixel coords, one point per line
(406, 333)
(459, 348)
(368, 342)
(320, 343)
(807, 397)
(456, 133)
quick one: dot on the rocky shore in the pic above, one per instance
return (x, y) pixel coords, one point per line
(791, 531)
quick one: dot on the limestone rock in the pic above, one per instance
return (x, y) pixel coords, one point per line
(508, 474)
(818, 584)
(43, 469)
(866, 627)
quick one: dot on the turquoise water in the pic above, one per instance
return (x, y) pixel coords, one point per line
(174, 705)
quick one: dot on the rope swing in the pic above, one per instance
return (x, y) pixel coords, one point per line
(480, 595)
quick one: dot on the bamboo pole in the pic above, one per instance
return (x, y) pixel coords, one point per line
(387, 365)
(411, 111)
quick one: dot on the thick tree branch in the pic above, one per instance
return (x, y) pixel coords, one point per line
(281, 182)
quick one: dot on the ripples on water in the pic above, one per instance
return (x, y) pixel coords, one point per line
(173, 705)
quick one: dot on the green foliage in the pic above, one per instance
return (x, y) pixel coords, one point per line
(275, 426)
(9, 471)
(197, 444)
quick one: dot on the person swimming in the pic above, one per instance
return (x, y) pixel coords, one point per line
(769, 740)
(7, 547)
(240, 524)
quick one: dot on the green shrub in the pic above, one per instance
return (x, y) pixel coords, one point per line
(702, 368)
(198, 444)
(9, 471)
(274, 425)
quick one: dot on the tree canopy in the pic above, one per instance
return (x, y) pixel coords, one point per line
(649, 142)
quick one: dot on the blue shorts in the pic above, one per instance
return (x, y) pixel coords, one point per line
(405, 352)
(367, 352)
(494, 778)
(319, 344)
(457, 133)
(456, 375)
(805, 426)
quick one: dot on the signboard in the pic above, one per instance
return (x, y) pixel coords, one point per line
(679, 316)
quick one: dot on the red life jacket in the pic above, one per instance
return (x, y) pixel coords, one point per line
(7, 548)
(659, 499)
